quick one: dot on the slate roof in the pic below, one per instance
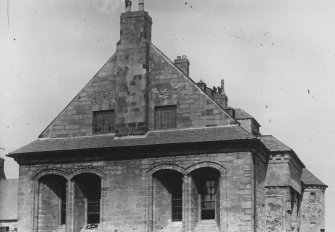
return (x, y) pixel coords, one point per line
(309, 179)
(8, 199)
(241, 114)
(176, 136)
(273, 144)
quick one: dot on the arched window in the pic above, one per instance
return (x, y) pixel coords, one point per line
(206, 194)
(87, 195)
(168, 197)
(51, 211)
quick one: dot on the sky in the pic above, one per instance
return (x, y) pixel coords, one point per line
(277, 58)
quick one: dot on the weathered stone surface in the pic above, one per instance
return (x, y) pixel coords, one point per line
(131, 187)
(125, 190)
(313, 210)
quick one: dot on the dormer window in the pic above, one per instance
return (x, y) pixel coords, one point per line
(165, 117)
(103, 121)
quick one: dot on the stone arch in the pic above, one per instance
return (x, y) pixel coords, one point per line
(207, 164)
(150, 179)
(195, 173)
(50, 195)
(52, 171)
(95, 171)
(87, 195)
(160, 167)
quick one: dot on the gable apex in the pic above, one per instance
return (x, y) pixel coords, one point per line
(75, 119)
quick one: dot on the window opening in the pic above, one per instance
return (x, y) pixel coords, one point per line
(208, 200)
(93, 212)
(4, 229)
(165, 117)
(169, 190)
(177, 206)
(63, 206)
(103, 121)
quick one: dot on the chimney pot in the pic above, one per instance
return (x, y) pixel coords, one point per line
(183, 64)
(222, 86)
(141, 5)
(128, 4)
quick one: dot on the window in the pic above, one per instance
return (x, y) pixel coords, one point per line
(103, 121)
(93, 212)
(165, 117)
(4, 229)
(63, 206)
(208, 200)
(177, 206)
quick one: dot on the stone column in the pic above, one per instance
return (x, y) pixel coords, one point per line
(70, 206)
(187, 227)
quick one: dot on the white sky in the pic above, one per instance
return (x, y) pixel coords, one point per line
(276, 56)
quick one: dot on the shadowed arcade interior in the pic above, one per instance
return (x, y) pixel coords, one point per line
(168, 185)
(87, 195)
(205, 195)
(51, 202)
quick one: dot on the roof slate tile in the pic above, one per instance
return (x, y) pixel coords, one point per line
(176, 136)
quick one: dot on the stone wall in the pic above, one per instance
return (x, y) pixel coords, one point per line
(49, 202)
(76, 119)
(260, 166)
(249, 125)
(125, 195)
(8, 204)
(170, 86)
(132, 56)
(313, 210)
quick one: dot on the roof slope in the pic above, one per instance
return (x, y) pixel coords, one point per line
(309, 179)
(76, 118)
(176, 136)
(273, 144)
(170, 86)
(241, 114)
(8, 199)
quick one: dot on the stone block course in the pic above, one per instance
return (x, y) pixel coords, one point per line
(126, 191)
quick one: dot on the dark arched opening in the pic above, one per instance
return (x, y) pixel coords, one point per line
(205, 190)
(168, 198)
(87, 195)
(51, 202)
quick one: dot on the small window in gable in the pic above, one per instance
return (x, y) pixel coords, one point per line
(165, 117)
(103, 121)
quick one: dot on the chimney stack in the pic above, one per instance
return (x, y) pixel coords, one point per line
(220, 97)
(132, 60)
(202, 85)
(141, 5)
(183, 64)
(222, 87)
(128, 4)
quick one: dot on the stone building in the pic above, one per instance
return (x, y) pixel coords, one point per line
(8, 202)
(142, 147)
